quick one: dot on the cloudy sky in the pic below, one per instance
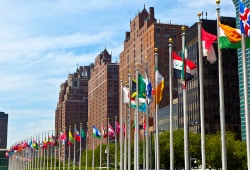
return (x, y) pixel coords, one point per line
(42, 41)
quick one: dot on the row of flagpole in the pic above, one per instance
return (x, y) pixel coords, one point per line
(125, 141)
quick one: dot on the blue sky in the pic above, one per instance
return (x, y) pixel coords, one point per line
(42, 41)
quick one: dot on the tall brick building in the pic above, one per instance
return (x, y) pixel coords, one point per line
(103, 94)
(72, 107)
(3, 130)
(146, 34)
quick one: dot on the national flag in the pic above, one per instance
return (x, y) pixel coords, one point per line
(83, 134)
(207, 45)
(159, 86)
(96, 132)
(71, 139)
(111, 131)
(244, 19)
(63, 138)
(104, 133)
(45, 146)
(117, 128)
(125, 94)
(148, 88)
(177, 66)
(77, 135)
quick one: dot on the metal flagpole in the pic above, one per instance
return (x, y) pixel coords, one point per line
(221, 92)
(129, 121)
(244, 70)
(121, 129)
(74, 159)
(93, 154)
(156, 119)
(80, 156)
(186, 132)
(69, 150)
(101, 147)
(143, 142)
(86, 161)
(64, 149)
(44, 150)
(51, 149)
(115, 146)
(41, 151)
(125, 138)
(137, 118)
(135, 150)
(171, 104)
(202, 120)
(108, 148)
(59, 153)
(147, 123)
(47, 151)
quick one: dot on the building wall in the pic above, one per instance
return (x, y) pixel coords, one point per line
(72, 107)
(103, 95)
(241, 83)
(3, 130)
(144, 36)
(211, 85)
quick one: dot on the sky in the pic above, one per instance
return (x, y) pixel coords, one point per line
(42, 41)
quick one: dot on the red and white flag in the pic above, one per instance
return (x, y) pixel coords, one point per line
(207, 46)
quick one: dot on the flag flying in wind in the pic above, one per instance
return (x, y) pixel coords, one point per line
(96, 132)
(71, 139)
(117, 128)
(244, 19)
(77, 135)
(148, 88)
(111, 131)
(104, 133)
(207, 44)
(177, 66)
(159, 86)
(230, 37)
(83, 134)
(125, 94)
(62, 137)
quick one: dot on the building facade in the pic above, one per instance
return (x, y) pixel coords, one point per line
(211, 85)
(240, 72)
(3, 130)
(103, 95)
(146, 34)
(72, 107)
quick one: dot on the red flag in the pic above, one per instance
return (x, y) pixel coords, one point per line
(208, 49)
(117, 126)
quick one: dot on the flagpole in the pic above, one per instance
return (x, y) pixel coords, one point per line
(147, 124)
(171, 104)
(80, 156)
(47, 151)
(156, 118)
(93, 153)
(244, 69)
(59, 152)
(202, 120)
(74, 159)
(51, 155)
(125, 138)
(86, 161)
(129, 121)
(143, 143)
(101, 147)
(186, 132)
(121, 129)
(221, 92)
(108, 149)
(115, 146)
(135, 150)
(137, 117)
(44, 151)
(64, 148)
(69, 150)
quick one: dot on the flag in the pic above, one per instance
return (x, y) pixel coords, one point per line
(45, 144)
(104, 134)
(159, 86)
(207, 44)
(71, 139)
(125, 95)
(63, 138)
(111, 131)
(83, 134)
(149, 89)
(77, 135)
(177, 66)
(244, 19)
(96, 132)
(117, 127)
